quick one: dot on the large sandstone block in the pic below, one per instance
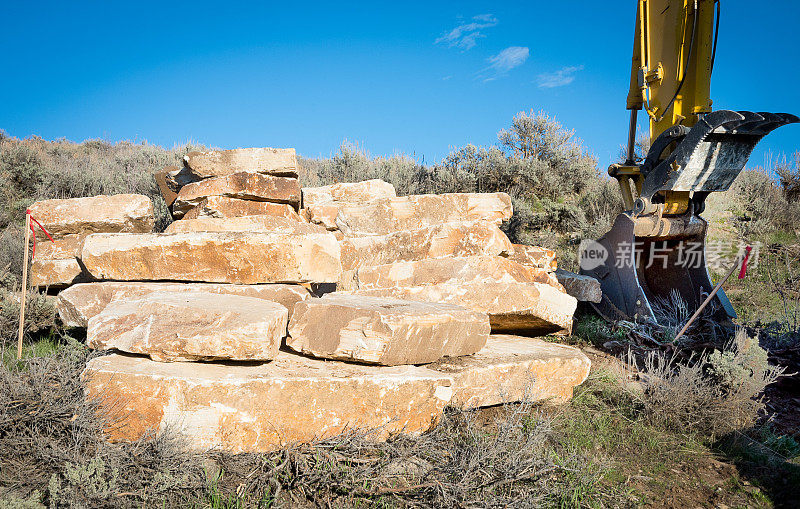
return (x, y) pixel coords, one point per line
(522, 308)
(406, 212)
(222, 206)
(243, 185)
(583, 288)
(356, 192)
(271, 224)
(56, 273)
(516, 297)
(78, 304)
(260, 408)
(219, 163)
(433, 271)
(116, 213)
(56, 265)
(513, 368)
(448, 239)
(214, 257)
(534, 256)
(384, 331)
(191, 326)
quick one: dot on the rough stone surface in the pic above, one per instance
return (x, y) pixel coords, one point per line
(56, 263)
(534, 256)
(357, 192)
(384, 331)
(406, 212)
(513, 368)
(523, 308)
(260, 408)
(222, 206)
(190, 326)
(105, 213)
(243, 185)
(64, 248)
(583, 288)
(448, 239)
(214, 257)
(324, 214)
(78, 304)
(219, 163)
(244, 224)
(56, 273)
(452, 268)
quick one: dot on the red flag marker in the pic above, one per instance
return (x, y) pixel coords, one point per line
(28, 212)
(743, 270)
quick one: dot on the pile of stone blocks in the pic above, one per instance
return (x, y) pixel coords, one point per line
(268, 314)
(69, 222)
(231, 183)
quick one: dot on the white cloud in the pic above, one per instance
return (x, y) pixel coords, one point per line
(465, 36)
(509, 58)
(559, 78)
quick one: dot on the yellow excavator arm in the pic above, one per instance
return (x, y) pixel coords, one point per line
(673, 56)
(694, 151)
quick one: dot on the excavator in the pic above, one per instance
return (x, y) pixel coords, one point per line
(655, 251)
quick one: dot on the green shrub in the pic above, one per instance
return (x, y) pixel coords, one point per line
(553, 181)
(789, 175)
(762, 204)
(712, 394)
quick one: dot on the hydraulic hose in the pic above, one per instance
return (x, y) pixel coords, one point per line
(695, 17)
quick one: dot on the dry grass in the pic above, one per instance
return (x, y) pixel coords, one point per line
(52, 446)
(712, 394)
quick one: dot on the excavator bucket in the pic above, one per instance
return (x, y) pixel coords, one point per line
(648, 258)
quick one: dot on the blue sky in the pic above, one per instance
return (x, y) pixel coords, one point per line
(413, 77)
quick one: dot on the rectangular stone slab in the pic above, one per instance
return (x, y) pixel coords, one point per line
(243, 185)
(451, 268)
(78, 304)
(448, 239)
(356, 192)
(214, 257)
(268, 224)
(190, 326)
(386, 331)
(523, 308)
(55, 263)
(63, 248)
(514, 368)
(56, 273)
(406, 212)
(534, 256)
(75, 216)
(259, 408)
(222, 206)
(218, 163)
